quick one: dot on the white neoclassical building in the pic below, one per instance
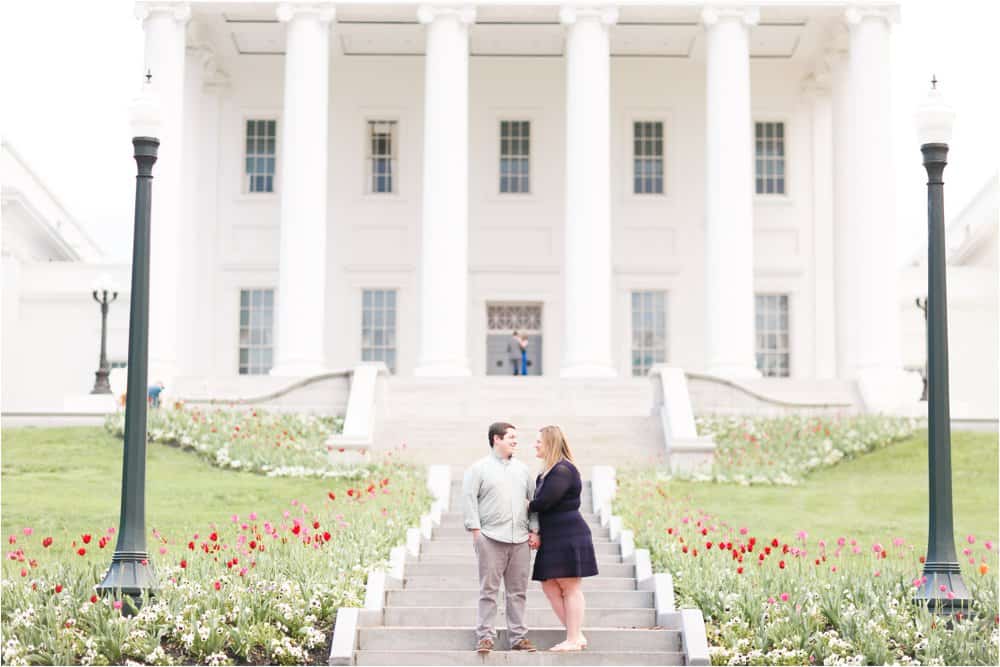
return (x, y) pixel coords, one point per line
(702, 184)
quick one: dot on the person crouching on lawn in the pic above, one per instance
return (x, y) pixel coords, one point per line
(496, 490)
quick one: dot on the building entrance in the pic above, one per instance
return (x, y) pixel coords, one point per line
(502, 320)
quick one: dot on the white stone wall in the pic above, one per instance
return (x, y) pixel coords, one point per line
(52, 331)
(973, 338)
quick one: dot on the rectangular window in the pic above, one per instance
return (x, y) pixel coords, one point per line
(381, 156)
(260, 155)
(769, 140)
(647, 157)
(378, 326)
(649, 330)
(256, 331)
(773, 356)
(515, 156)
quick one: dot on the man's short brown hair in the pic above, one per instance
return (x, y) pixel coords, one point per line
(500, 429)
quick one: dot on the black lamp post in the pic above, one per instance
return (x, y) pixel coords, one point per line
(943, 591)
(101, 384)
(922, 305)
(131, 573)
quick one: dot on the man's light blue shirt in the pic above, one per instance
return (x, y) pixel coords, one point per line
(496, 493)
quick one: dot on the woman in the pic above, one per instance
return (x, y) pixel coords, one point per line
(566, 554)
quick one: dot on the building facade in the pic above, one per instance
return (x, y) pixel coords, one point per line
(703, 185)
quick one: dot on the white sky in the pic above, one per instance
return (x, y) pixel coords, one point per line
(71, 67)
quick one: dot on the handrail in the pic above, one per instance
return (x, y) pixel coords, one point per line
(767, 399)
(305, 382)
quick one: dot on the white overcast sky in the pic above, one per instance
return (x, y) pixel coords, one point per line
(71, 68)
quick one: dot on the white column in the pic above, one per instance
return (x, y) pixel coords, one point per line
(587, 235)
(729, 278)
(842, 139)
(300, 330)
(868, 308)
(817, 91)
(164, 26)
(444, 266)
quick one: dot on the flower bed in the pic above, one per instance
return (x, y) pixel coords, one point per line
(808, 600)
(260, 590)
(271, 443)
(754, 450)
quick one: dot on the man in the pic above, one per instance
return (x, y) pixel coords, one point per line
(514, 347)
(496, 490)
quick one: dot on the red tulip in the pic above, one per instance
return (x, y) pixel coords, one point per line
(332, 495)
(58, 588)
(81, 551)
(184, 564)
(214, 537)
(774, 543)
(315, 524)
(781, 564)
(217, 585)
(296, 529)
(86, 538)
(47, 542)
(326, 536)
(739, 570)
(93, 599)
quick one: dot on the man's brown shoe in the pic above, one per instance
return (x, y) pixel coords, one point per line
(524, 645)
(484, 646)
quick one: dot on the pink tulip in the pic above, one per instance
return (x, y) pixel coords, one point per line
(971, 539)
(253, 516)
(770, 600)
(784, 597)
(28, 532)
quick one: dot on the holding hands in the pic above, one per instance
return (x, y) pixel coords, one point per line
(534, 540)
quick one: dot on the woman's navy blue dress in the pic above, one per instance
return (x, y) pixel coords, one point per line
(567, 546)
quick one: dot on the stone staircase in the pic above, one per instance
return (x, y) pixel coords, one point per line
(605, 421)
(429, 619)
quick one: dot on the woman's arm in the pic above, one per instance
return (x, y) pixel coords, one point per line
(554, 487)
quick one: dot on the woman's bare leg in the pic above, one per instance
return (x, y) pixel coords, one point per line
(575, 605)
(553, 591)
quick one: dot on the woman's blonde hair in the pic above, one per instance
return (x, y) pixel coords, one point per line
(554, 447)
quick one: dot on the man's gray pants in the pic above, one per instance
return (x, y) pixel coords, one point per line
(509, 562)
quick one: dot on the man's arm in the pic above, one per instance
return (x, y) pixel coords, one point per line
(532, 516)
(471, 482)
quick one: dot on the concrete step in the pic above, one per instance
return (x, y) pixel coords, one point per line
(468, 568)
(468, 556)
(535, 617)
(513, 399)
(457, 504)
(458, 518)
(464, 639)
(462, 546)
(413, 581)
(519, 658)
(536, 598)
(458, 532)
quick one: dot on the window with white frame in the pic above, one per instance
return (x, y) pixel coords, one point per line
(378, 326)
(649, 330)
(647, 157)
(769, 141)
(515, 156)
(256, 331)
(381, 158)
(260, 155)
(773, 352)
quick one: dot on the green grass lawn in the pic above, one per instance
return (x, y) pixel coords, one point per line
(68, 480)
(877, 496)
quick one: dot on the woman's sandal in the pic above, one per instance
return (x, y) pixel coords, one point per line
(568, 647)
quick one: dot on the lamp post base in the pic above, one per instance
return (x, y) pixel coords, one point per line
(131, 576)
(101, 383)
(954, 597)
